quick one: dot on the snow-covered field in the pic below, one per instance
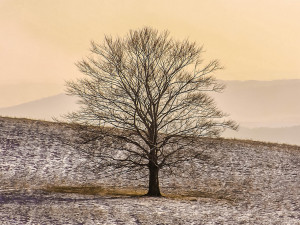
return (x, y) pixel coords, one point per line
(239, 182)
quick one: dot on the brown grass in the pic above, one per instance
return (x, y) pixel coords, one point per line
(138, 192)
(96, 190)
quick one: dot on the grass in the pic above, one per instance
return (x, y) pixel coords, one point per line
(97, 190)
(137, 192)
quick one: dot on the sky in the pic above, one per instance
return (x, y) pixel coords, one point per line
(41, 40)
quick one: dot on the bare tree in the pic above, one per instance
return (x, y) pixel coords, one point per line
(150, 92)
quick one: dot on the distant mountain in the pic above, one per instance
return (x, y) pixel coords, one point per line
(44, 109)
(262, 103)
(20, 93)
(250, 103)
(271, 105)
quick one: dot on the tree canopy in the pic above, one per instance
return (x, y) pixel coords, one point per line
(154, 91)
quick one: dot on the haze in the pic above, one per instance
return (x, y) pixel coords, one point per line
(41, 40)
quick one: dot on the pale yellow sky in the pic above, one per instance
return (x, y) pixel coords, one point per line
(40, 40)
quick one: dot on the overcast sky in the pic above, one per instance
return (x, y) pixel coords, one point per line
(40, 40)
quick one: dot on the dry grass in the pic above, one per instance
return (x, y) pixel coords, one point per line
(138, 192)
(96, 190)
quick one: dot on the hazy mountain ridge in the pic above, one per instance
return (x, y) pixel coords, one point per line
(44, 109)
(258, 106)
(261, 179)
(262, 103)
(20, 93)
(251, 103)
(288, 135)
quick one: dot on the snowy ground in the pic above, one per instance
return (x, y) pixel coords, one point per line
(241, 182)
(44, 208)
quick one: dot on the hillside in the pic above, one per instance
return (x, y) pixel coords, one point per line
(237, 182)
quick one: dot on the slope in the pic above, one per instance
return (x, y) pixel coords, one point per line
(236, 182)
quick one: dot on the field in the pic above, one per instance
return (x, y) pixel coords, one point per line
(44, 181)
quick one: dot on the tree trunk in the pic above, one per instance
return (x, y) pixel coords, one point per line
(153, 181)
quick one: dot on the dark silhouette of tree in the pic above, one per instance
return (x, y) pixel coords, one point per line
(149, 92)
